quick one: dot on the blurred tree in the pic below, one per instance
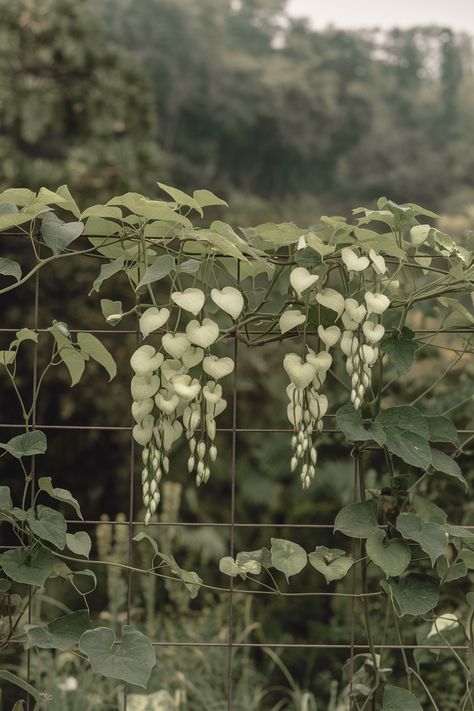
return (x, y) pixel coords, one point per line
(73, 107)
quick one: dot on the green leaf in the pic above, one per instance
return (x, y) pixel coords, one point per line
(10, 268)
(103, 211)
(467, 557)
(71, 356)
(351, 424)
(160, 268)
(79, 543)
(427, 510)
(145, 537)
(431, 537)
(84, 573)
(228, 566)
(400, 348)
(58, 234)
(333, 563)
(48, 524)
(6, 502)
(181, 198)
(393, 556)
(45, 484)
(441, 462)
(61, 634)
(108, 270)
(357, 520)
(11, 678)
(91, 346)
(396, 699)
(288, 557)
(192, 581)
(26, 445)
(24, 566)
(207, 199)
(18, 196)
(112, 311)
(249, 562)
(24, 334)
(131, 660)
(441, 429)
(415, 594)
(407, 435)
(69, 202)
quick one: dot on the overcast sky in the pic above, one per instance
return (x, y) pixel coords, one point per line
(458, 14)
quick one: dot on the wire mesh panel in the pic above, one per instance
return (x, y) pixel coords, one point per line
(241, 425)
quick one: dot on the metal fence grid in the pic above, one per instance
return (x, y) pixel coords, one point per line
(231, 525)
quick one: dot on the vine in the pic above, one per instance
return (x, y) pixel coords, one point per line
(344, 293)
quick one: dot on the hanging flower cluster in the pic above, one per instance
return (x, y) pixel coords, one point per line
(176, 390)
(361, 333)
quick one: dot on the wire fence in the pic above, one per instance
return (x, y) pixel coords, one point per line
(236, 428)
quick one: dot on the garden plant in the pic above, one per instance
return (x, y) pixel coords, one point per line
(345, 300)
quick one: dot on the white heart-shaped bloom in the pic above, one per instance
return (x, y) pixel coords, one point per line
(204, 334)
(220, 407)
(228, 299)
(321, 361)
(193, 356)
(301, 279)
(175, 344)
(419, 234)
(216, 367)
(171, 367)
(301, 374)
(191, 300)
(167, 402)
(352, 261)
(192, 416)
(373, 331)
(290, 319)
(369, 354)
(185, 387)
(144, 386)
(212, 392)
(143, 432)
(378, 262)
(354, 310)
(171, 432)
(349, 323)
(318, 405)
(145, 360)
(346, 343)
(295, 414)
(376, 303)
(141, 409)
(443, 623)
(152, 319)
(330, 335)
(331, 299)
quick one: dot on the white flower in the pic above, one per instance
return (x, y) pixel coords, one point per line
(204, 334)
(145, 360)
(301, 374)
(329, 336)
(175, 344)
(378, 262)
(321, 362)
(301, 243)
(301, 279)
(352, 261)
(141, 408)
(331, 299)
(373, 331)
(143, 432)
(185, 387)
(229, 300)
(354, 310)
(152, 319)
(216, 367)
(167, 404)
(212, 392)
(376, 303)
(190, 300)
(144, 386)
(443, 623)
(290, 319)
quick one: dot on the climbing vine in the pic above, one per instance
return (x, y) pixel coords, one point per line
(342, 294)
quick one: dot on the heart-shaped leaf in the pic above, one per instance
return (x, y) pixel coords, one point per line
(58, 234)
(333, 563)
(288, 557)
(191, 300)
(131, 660)
(48, 524)
(357, 520)
(392, 556)
(24, 567)
(396, 699)
(61, 634)
(415, 594)
(45, 484)
(26, 445)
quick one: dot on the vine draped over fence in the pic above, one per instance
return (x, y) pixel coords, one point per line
(349, 288)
